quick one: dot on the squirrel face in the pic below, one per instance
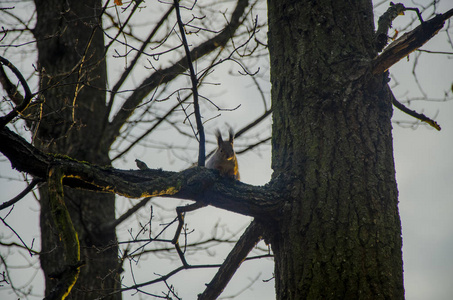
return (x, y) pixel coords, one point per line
(225, 148)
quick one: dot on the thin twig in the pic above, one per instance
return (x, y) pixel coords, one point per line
(18, 236)
(250, 147)
(161, 278)
(164, 76)
(181, 211)
(106, 227)
(413, 113)
(133, 63)
(30, 187)
(158, 122)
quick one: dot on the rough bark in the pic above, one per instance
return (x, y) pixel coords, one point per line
(330, 211)
(73, 75)
(67, 234)
(341, 234)
(196, 183)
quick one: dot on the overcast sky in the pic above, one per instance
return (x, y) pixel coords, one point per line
(424, 166)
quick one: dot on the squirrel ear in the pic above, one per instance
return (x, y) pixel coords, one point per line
(219, 137)
(231, 132)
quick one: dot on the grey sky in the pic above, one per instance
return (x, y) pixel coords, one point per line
(424, 166)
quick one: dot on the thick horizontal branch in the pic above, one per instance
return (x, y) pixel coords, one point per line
(409, 42)
(197, 184)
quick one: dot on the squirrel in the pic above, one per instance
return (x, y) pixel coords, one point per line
(224, 159)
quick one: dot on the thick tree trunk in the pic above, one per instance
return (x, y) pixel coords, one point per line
(340, 237)
(71, 62)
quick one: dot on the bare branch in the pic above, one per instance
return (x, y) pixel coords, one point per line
(127, 72)
(409, 42)
(30, 187)
(251, 146)
(19, 246)
(123, 26)
(413, 113)
(247, 241)
(165, 75)
(181, 211)
(16, 234)
(123, 217)
(10, 88)
(194, 80)
(385, 23)
(147, 132)
(27, 97)
(198, 184)
(435, 52)
(162, 278)
(253, 123)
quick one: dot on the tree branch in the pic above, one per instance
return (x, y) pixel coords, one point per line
(162, 278)
(197, 184)
(385, 23)
(409, 42)
(252, 146)
(27, 97)
(159, 121)
(30, 187)
(109, 226)
(246, 243)
(253, 123)
(413, 113)
(194, 80)
(10, 88)
(133, 63)
(165, 75)
(181, 211)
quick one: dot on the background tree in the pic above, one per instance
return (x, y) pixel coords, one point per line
(74, 119)
(297, 159)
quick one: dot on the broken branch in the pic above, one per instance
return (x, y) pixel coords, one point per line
(409, 42)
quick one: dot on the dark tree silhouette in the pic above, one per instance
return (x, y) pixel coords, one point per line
(330, 211)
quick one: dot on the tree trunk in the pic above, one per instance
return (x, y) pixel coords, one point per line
(340, 237)
(71, 62)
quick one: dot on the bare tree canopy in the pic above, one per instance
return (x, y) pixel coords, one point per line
(113, 94)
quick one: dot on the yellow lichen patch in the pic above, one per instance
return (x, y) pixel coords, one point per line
(66, 231)
(169, 191)
(71, 283)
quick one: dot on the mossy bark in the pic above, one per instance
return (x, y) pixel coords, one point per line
(73, 76)
(340, 237)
